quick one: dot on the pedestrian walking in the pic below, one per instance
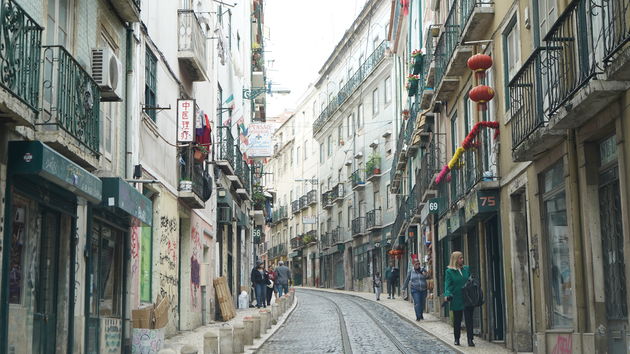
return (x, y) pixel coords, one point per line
(260, 279)
(283, 276)
(455, 278)
(272, 285)
(378, 285)
(392, 275)
(416, 282)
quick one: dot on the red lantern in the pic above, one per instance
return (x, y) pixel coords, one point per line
(479, 63)
(481, 94)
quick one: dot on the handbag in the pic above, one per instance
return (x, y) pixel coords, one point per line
(270, 284)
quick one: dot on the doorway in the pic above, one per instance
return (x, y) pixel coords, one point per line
(495, 279)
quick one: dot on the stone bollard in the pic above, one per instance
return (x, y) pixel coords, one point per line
(225, 340)
(167, 351)
(280, 303)
(188, 349)
(274, 313)
(210, 343)
(268, 318)
(238, 344)
(248, 337)
(256, 326)
(263, 322)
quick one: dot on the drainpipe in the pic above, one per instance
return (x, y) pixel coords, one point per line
(129, 103)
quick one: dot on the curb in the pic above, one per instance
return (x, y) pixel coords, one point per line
(257, 344)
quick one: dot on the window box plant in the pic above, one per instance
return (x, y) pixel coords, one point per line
(416, 58)
(373, 165)
(412, 84)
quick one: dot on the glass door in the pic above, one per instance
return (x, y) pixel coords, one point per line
(45, 312)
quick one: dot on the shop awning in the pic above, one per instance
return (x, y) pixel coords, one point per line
(294, 254)
(37, 158)
(335, 249)
(119, 194)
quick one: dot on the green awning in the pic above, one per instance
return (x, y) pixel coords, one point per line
(294, 254)
(119, 194)
(37, 158)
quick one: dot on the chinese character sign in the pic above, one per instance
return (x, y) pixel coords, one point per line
(185, 120)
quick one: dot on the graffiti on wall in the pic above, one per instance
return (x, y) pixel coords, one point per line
(195, 268)
(147, 341)
(134, 263)
(564, 345)
(169, 252)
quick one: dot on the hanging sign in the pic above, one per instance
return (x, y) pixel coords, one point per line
(185, 120)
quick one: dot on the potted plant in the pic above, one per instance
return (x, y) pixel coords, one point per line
(373, 165)
(412, 84)
(416, 58)
(200, 153)
(258, 197)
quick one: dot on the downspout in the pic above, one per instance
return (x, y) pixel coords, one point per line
(128, 105)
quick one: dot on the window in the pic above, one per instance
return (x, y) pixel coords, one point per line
(150, 83)
(511, 53)
(340, 134)
(306, 150)
(321, 153)
(297, 156)
(350, 124)
(229, 30)
(106, 283)
(375, 102)
(291, 157)
(58, 22)
(349, 216)
(314, 109)
(360, 116)
(388, 90)
(546, 16)
(556, 232)
(388, 204)
(329, 150)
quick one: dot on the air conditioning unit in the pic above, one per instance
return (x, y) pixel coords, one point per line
(107, 72)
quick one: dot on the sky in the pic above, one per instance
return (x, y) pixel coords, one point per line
(301, 36)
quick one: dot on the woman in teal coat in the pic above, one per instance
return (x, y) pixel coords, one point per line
(456, 275)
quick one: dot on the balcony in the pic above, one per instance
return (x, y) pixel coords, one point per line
(373, 219)
(303, 202)
(337, 193)
(336, 236)
(358, 181)
(194, 184)
(296, 242)
(69, 120)
(128, 10)
(358, 226)
(191, 45)
(310, 237)
(326, 242)
(428, 69)
(364, 71)
(224, 158)
(559, 86)
(295, 206)
(429, 167)
(19, 93)
(450, 56)
(475, 17)
(283, 214)
(327, 201)
(224, 215)
(373, 168)
(312, 197)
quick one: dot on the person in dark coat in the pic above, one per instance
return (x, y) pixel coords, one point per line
(270, 287)
(454, 280)
(260, 280)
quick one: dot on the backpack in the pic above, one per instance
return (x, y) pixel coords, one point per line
(472, 293)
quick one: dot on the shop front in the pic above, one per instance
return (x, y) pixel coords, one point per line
(114, 264)
(46, 195)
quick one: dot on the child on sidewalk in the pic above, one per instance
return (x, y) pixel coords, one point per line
(378, 283)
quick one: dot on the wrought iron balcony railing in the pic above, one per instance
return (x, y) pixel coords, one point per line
(337, 193)
(373, 167)
(20, 41)
(71, 98)
(373, 219)
(312, 197)
(247, 177)
(358, 226)
(365, 69)
(357, 178)
(296, 242)
(428, 168)
(238, 162)
(224, 215)
(194, 173)
(226, 146)
(336, 235)
(429, 56)
(303, 202)
(295, 206)
(327, 200)
(447, 43)
(616, 26)
(310, 237)
(192, 43)
(283, 213)
(326, 242)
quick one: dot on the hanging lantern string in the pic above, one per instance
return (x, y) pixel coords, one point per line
(469, 142)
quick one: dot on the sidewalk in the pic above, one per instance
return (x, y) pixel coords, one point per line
(430, 324)
(195, 337)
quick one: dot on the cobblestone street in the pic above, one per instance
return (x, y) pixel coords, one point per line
(337, 323)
